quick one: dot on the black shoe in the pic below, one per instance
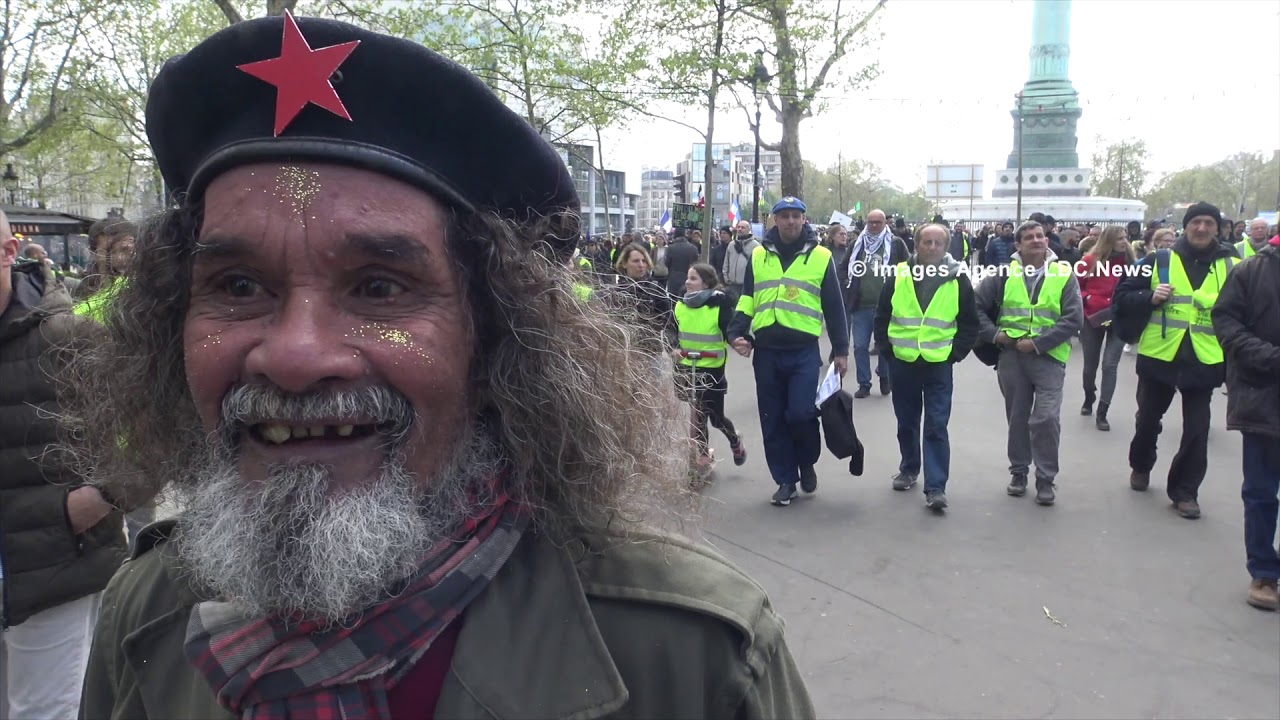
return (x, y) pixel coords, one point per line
(863, 391)
(1101, 421)
(1087, 408)
(786, 493)
(1139, 481)
(1189, 509)
(885, 385)
(1018, 485)
(808, 479)
(903, 481)
(739, 452)
(935, 500)
(1044, 492)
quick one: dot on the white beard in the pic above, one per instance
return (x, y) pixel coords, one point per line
(287, 547)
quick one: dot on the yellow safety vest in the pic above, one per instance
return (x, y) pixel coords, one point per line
(584, 263)
(1245, 248)
(791, 299)
(700, 332)
(1186, 310)
(1019, 318)
(584, 292)
(927, 333)
(95, 306)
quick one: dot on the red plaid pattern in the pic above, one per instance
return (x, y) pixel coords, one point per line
(270, 669)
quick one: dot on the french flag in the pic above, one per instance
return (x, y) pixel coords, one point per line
(734, 212)
(665, 222)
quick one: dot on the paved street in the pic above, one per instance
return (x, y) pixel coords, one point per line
(893, 612)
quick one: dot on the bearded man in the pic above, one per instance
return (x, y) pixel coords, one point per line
(354, 348)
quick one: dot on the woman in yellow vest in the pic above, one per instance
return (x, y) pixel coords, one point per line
(702, 321)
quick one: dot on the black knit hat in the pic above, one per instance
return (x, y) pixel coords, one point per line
(1202, 208)
(341, 94)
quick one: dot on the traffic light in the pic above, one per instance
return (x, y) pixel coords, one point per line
(680, 185)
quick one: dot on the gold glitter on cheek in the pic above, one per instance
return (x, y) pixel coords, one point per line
(379, 332)
(297, 188)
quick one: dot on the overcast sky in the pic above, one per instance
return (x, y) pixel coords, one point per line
(1196, 79)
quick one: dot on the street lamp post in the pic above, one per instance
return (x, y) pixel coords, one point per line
(10, 179)
(1021, 130)
(759, 74)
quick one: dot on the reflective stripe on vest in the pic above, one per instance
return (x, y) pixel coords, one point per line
(791, 299)
(922, 334)
(1019, 318)
(1187, 310)
(1245, 248)
(700, 332)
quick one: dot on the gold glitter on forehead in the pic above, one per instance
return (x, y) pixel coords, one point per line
(381, 333)
(297, 188)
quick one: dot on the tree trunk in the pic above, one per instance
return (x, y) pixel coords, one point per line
(604, 184)
(713, 90)
(789, 147)
(277, 7)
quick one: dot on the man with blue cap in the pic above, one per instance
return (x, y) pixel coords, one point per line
(789, 290)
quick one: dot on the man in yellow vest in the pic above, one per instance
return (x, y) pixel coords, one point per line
(1032, 310)
(1178, 351)
(789, 289)
(1258, 239)
(925, 322)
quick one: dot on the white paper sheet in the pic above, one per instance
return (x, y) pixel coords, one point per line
(829, 386)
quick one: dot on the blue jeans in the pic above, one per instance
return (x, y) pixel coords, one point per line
(1261, 483)
(923, 388)
(860, 322)
(786, 384)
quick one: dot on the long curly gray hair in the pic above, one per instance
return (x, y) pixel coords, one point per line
(592, 436)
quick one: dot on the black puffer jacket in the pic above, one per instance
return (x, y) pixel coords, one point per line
(45, 564)
(1246, 318)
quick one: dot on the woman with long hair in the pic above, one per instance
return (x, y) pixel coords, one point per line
(702, 320)
(642, 294)
(1101, 270)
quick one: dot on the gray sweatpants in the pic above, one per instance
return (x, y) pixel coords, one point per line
(1032, 388)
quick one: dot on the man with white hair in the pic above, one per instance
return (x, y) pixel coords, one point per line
(406, 452)
(1257, 239)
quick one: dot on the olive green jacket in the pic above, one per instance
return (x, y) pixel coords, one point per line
(652, 628)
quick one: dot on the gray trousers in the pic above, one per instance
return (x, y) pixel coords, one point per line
(1092, 342)
(1032, 389)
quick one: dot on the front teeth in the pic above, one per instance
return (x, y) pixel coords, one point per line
(276, 433)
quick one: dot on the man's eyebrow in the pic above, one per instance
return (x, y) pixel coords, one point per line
(399, 247)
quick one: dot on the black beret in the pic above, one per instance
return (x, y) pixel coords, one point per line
(414, 115)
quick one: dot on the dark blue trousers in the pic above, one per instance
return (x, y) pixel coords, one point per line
(1261, 483)
(923, 388)
(786, 385)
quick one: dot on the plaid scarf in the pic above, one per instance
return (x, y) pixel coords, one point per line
(267, 669)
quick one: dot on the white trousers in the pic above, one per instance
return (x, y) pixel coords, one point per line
(43, 661)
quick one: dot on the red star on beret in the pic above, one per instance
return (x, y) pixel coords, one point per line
(301, 75)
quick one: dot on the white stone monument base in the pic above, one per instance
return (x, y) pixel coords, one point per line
(1063, 209)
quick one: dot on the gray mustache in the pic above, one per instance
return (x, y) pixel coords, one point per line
(390, 410)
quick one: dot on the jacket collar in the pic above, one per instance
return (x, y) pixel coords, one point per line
(532, 630)
(529, 644)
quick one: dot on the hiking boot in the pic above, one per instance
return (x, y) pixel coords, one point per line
(935, 500)
(863, 391)
(1139, 481)
(903, 481)
(1018, 485)
(1262, 594)
(885, 386)
(1100, 422)
(808, 479)
(1087, 408)
(1189, 509)
(1044, 492)
(786, 493)
(739, 452)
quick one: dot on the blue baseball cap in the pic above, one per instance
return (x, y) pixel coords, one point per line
(789, 203)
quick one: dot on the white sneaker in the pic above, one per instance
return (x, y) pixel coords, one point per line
(1128, 349)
